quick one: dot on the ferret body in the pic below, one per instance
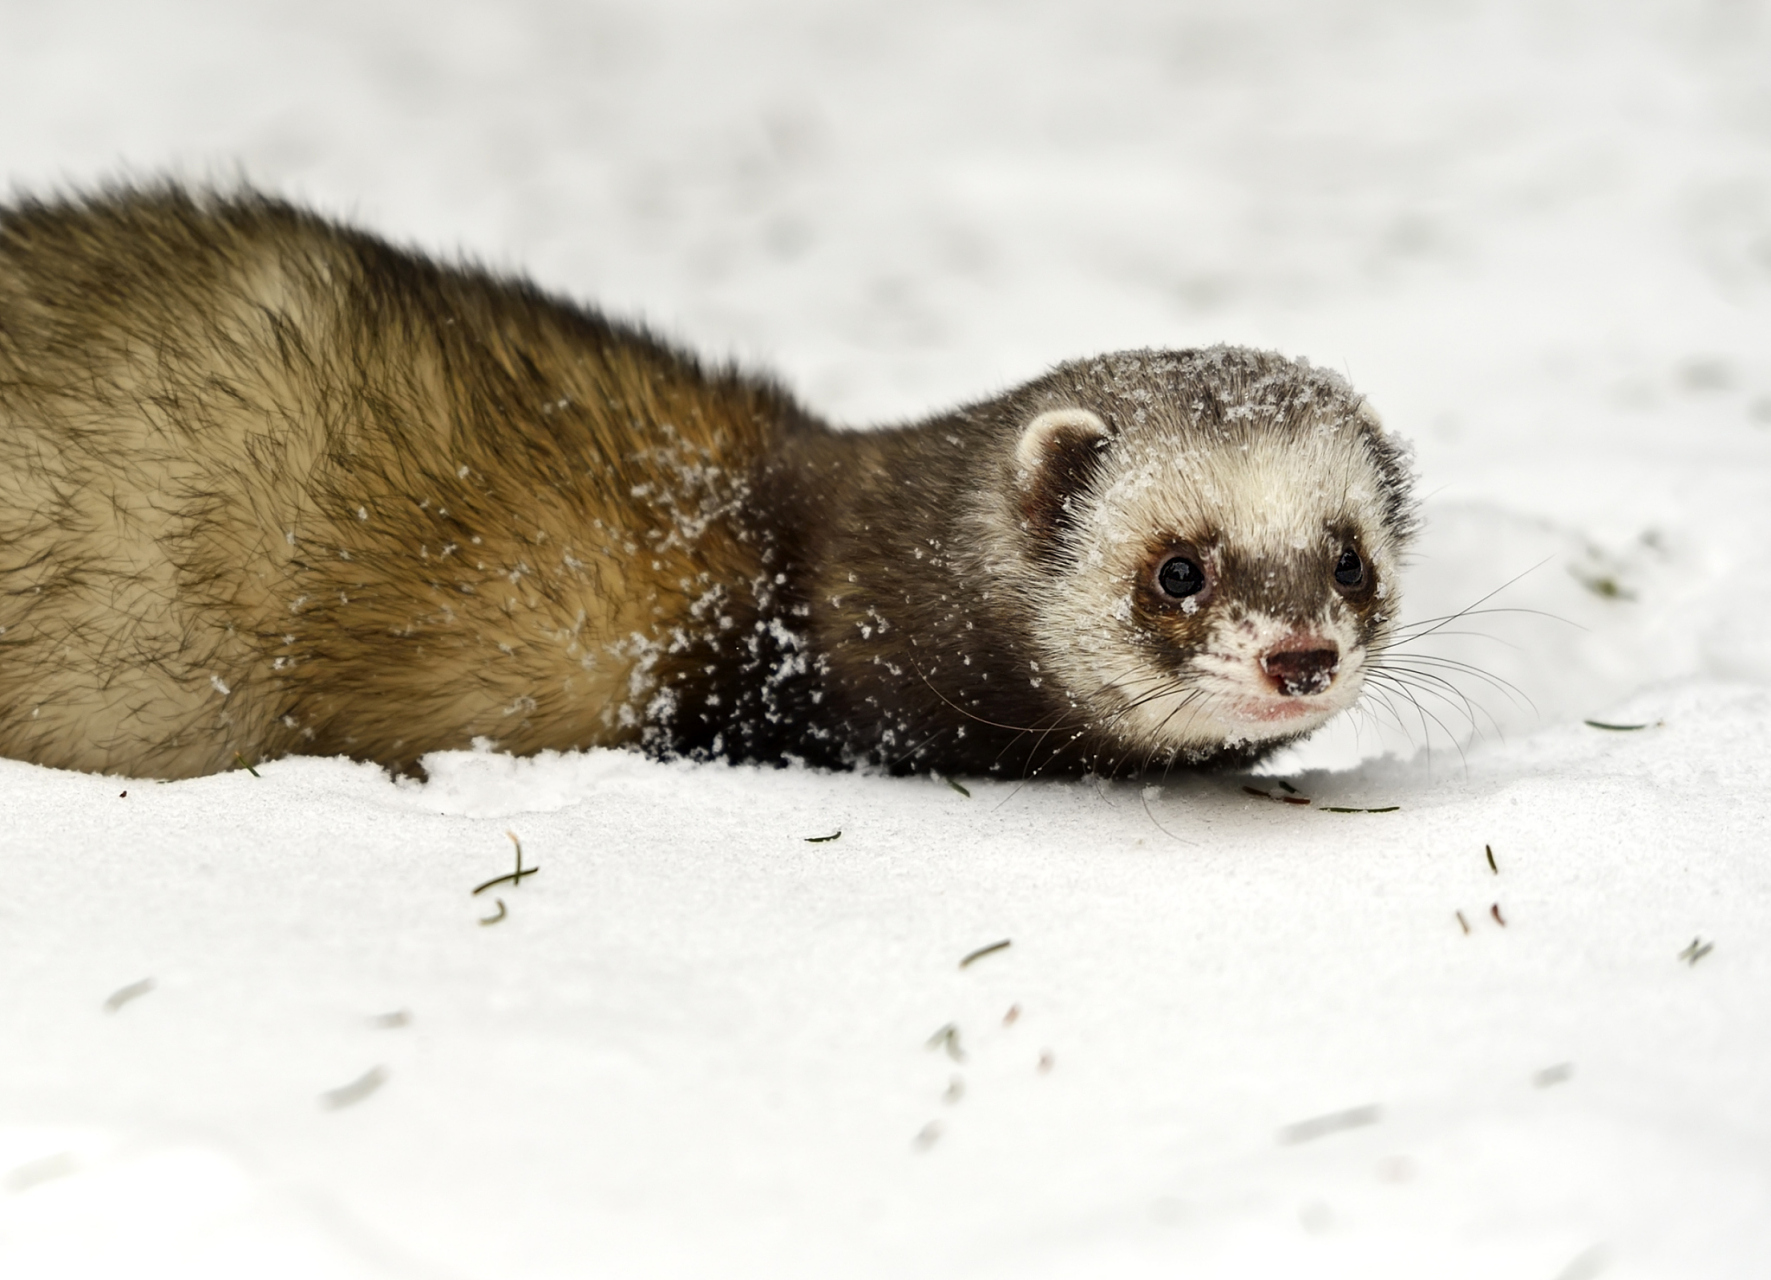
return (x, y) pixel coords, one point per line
(269, 485)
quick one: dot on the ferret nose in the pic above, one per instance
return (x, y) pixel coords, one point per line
(1298, 673)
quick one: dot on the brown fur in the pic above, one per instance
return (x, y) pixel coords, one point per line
(269, 485)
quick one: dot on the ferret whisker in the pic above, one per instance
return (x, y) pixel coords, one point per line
(1480, 600)
(1413, 631)
(1441, 688)
(1382, 699)
(1156, 744)
(1425, 675)
(1417, 661)
(1364, 721)
(1187, 702)
(1031, 769)
(1425, 715)
(1447, 693)
(899, 759)
(1375, 697)
(1384, 693)
(1393, 644)
(970, 715)
(1100, 729)
(1188, 697)
(1144, 799)
(1184, 704)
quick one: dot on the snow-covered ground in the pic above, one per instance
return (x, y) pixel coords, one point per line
(253, 1026)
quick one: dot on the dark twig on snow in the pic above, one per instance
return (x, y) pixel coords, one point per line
(1267, 795)
(1696, 951)
(1334, 1122)
(1553, 1075)
(948, 1038)
(348, 1095)
(981, 952)
(514, 877)
(123, 995)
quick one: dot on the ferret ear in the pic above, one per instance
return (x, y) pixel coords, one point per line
(1055, 458)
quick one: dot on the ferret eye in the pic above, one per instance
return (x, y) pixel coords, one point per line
(1180, 578)
(1349, 570)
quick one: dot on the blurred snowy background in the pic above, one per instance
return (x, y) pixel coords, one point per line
(1537, 235)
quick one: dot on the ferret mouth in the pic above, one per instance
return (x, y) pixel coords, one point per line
(1280, 709)
(1224, 702)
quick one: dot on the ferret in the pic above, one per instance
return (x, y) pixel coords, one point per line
(269, 484)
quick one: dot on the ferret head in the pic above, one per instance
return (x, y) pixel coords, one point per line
(1207, 545)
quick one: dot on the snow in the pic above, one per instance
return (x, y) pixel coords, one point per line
(1538, 235)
